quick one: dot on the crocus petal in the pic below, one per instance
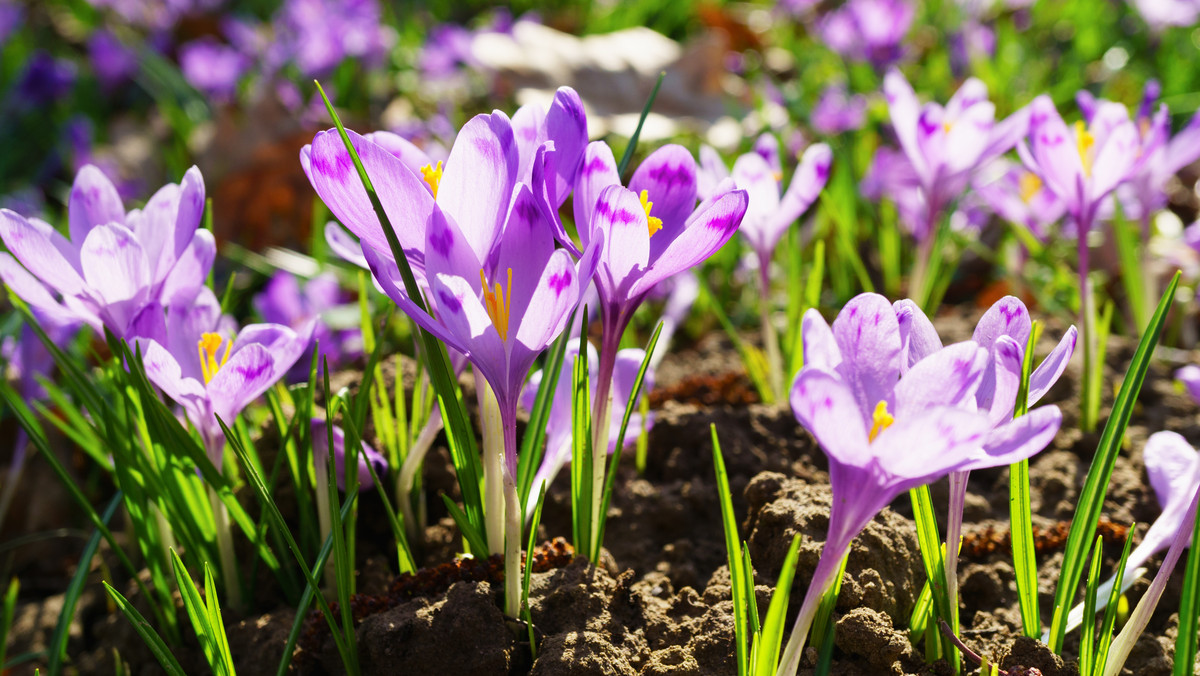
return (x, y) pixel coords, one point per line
(1115, 159)
(528, 127)
(477, 184)
(1006, 317)
(868, 337)
(402, 149)
(1184, 147)
(524, 249)
(918, 338)
(1053, 150)
(668, 176)
(344, 245)
(1019, 439)
(904, 110)
(820, 347)
(620, 216)
(948, 377)
(150, 323)
(928, 445)
(163, 370)
(284, 344)
(1048, 372)
(116, 269)
(752, 174)
(30, 290)
(998, 393)
(545, 192)
(93, 201)
(41, 250)
(406, 199)
(243, 379)
(707, 230)
(448, 250)
(826, 407)
(191, 269)
(566, 126)
(461, 311)
(1006, 133)
(555, 295)
(712, 171)
(766, 146)
(806, 186)
(1190, 377)
(366, 454)
(387, 275)
(1171, 465)
(969, 137)
(597, 172)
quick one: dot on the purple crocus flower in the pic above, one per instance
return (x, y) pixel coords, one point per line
(837, 112)
(44, 80)
(888, 424)
(113, 62)
(118, 270)
(317, 35)
(210, 373)
(212, 67)
(559, 422)
(868, 30)
(320, 449)
(283, 301)
(1017, 195)
(12, 15)
(945, 145)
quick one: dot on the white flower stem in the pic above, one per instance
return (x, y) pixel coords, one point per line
(770, 338)
(493, 461)
(408, 473)
(229, 569)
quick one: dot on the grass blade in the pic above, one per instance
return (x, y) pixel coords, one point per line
(737, 571)
(633, 140)
(153, 641)
(1087, 635)
(1189, 608)
(1021, 511)
(533, 443)
(1091, 498)
(767, 657)
(1110, 608)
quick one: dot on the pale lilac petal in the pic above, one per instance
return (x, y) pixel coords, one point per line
(619, 215)
(1184, 147)
(820, 347)
(1006, 133)
(154, 227)
(1019, 439)
(806, 186)
(904, 110)
(477, 185)
(448, 250)
(191, 270)
(597, 172)
(163, 370)
(1048, 372)
(706, 232)
(752, 174)
(1053, 150)
(524, 249)
(948, 377)
(1190, 377)
(345, 246)
(387, 275)
(248, 373)
(997, 393)
(668, 176)
(712, 172)
(93, 201)
(766, 146)
(927, 446)
(40, 250)
(918, 338)
(402, 149)
(827, 409)
(972, 92)
(116, 269)
(548, 198)
(566, 126)
(461, 311)
(148, 324)
(556, 294)
(1006, 317)
(968, 138)
(1115, 159)
(406, 198)
(366, 454)
(32, 291)
(284, 344)
(529, 131)
(868, 337)
(1173, 468)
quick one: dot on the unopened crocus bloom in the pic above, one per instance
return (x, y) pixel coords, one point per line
(210, 373)
(868, 30)
(559, 422)
(284, 301)
(118, 270)
(320, 448)
(838, 112)
(887, 427)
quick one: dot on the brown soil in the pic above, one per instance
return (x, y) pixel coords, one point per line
(660, 604)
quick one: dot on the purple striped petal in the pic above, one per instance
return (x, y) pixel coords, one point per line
(707, 231)
(668, 176)
(43, 251)
(868, 338)
(477, 185)
(948, 377)
(93, 201)
(1048, 372)
(597, 171)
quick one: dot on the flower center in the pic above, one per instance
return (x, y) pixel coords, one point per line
(882, 420)
(498, 303)
(1084, 142)
(655, 223)
(1030, 184)
(432, 176)
(207, 347)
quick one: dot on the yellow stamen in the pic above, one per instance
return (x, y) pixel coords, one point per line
(883, 420)
(207, 347)
(432, 176)
(947, 126)
(777, 175)
(655, 223)
(1030, 184)
(498, 303)
(1084, 142)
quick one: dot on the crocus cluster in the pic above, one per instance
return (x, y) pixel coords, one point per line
(893, 411)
